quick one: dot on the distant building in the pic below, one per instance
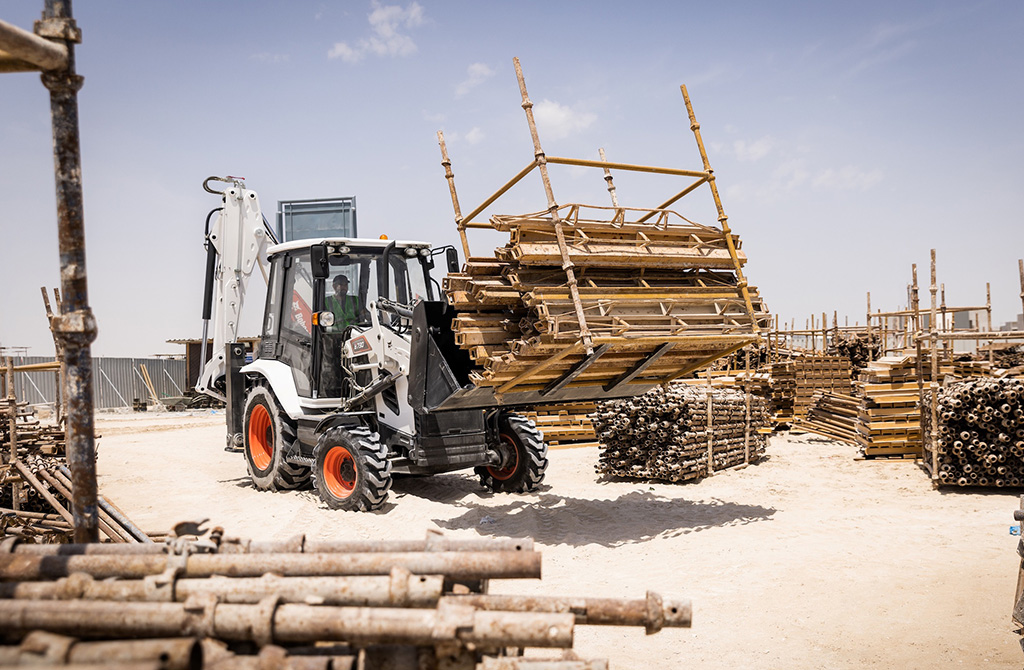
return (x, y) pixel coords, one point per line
(313, 219)
(1014, 325)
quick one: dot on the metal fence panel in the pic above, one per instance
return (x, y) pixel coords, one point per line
(116, 381)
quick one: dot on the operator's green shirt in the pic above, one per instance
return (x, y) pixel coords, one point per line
(346, 311)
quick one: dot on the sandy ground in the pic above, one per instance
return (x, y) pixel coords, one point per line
(809, 559)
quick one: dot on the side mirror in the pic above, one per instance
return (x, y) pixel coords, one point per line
(452, 257)
(325, 319)
(318, 258)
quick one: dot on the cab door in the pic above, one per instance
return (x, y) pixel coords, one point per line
(288, 317)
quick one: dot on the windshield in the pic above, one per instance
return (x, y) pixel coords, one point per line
(355, 283)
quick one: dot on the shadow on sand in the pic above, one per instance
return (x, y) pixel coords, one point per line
(633, 517)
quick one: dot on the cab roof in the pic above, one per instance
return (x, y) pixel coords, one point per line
(372, 243)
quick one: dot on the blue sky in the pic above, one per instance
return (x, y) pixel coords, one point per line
(848, 138)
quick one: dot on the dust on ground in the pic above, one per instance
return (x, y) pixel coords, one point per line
(809, 559)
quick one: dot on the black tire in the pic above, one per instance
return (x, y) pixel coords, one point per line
(352, 471)
(524, 457)
(268, 433)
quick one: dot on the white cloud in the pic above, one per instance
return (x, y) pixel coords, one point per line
(266, 57)
(749, 152)
(847, 178)
(557, 121)
(476, 74)
(473, 136)
(388, 25)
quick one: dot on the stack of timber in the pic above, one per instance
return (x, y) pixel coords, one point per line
(819, 373)
(783, 390)
(655, 297)
(341, 605)
(890, 418)
(980, 433)
(833, 415)
(680, 433)
(567, 424)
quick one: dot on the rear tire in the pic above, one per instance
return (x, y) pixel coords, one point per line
(352, 472)
(524, 457)
(268, 434)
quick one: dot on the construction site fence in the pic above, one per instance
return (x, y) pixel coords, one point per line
(117, 382)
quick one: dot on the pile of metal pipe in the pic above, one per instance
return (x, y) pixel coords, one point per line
(421, 605)
(980, 432)
(680, 433)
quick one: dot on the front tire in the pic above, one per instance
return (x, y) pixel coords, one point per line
(524, 457)
(352, 472)
(268, 434)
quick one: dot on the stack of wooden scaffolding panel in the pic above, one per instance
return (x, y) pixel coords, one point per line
(819, 373)
(588, 303)
(890, 417)
(783, 391)
(672, 305)
(565, 425)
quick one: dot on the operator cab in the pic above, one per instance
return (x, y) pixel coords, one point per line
(320, 295)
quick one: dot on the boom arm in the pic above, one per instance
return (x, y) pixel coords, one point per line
(240, 240)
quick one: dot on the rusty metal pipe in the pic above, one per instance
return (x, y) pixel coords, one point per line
(455, 565)
(268, 623)
(43, 491)
(652, 612)
(63, 489)
(295, 545)
(42, 648)
(399, 589)
(75, 327)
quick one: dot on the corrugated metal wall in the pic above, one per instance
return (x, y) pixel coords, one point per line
(116, 381)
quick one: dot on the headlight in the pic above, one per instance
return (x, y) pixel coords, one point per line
(411, 252)
(425, 251)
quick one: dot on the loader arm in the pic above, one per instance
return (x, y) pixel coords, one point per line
(237, 242)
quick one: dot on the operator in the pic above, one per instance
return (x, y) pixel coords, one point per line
(345, 307)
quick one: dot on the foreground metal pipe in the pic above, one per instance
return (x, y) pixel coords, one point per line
(399, 589)
(42, 648)
(269, 623)
(455, 565)
(296, 545)
(653, 612)
(75, 326)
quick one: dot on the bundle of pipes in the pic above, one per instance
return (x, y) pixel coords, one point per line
(859, 348)
(394, 604)
(680, 433)
(30, 434)
(661, 291)
(1006, 357)
(979, 434)
(565, 424)
(833, 415)
(34, 485)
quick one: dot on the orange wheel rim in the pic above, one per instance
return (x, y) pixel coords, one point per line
(340, 472)
(261, 437)
(510, 469)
